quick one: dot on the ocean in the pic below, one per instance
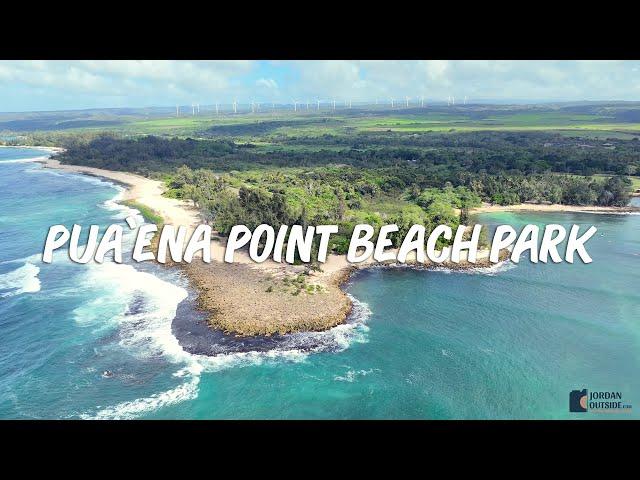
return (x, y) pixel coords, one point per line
(98, 341)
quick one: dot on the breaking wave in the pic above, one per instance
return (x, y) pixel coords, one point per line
(147, 308)
(24, 279)
(140, 307)
(25, 160)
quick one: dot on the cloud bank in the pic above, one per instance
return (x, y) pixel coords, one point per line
(59, 85)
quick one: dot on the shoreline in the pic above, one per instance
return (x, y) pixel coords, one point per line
(38, 147)
(554, 207)
(251, 299)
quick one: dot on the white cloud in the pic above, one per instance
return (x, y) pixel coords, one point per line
(28, 85)
(152, 79)
(269, 83)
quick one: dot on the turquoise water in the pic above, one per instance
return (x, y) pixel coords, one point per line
(508, 342)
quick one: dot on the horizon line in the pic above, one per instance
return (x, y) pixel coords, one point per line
(400, 100)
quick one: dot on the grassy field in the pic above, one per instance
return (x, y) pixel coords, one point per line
(405, 122)
(280, 130)
(596, 121)
(581, 127)
(149, 214)
(635, 180)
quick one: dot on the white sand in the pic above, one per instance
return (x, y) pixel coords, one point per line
(534, 207)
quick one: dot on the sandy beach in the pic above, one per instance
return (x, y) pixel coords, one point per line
(534, 207)
(141, 189)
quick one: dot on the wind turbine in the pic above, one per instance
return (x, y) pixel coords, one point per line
(465, 99)
(422, 101)
(453, 100)
(392, 103)
(407, 101)
(318, 105)
(295, 106)
(349, 103)
(334, 104)
(307, 104)
(193, 109)
(253, 109)
(198, 108)
(216, 108)
(177, 111)
(235, 106)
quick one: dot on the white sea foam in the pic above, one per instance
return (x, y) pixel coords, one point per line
(141, 306)
(48, 171)
(24, 279)
(338, 338)
(500, 267)
(121, 211)
(148, 333)
(92, 179)
(25, 160)
(33, 147)
(607, 212)
(140, 406)
(352, 375)
(491, 271)
(36, 257)
(112, 204)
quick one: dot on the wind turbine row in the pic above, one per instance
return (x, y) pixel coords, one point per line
(331, 104)
(451, 100)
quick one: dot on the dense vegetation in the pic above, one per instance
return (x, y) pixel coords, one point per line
(290, 172)
(347, 196)
(442, 154)
(499, 167)
(328, 195)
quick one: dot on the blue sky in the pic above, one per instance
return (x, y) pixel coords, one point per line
(59, 85)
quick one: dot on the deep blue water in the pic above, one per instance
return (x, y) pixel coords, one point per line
(509, 342)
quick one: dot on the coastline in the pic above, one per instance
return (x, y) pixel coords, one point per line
(271, 298)
(247, 298)
(555, 207)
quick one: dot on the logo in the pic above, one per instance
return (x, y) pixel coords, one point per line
(581, 401)
(578, 400)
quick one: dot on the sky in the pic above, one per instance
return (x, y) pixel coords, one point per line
(65, 85)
